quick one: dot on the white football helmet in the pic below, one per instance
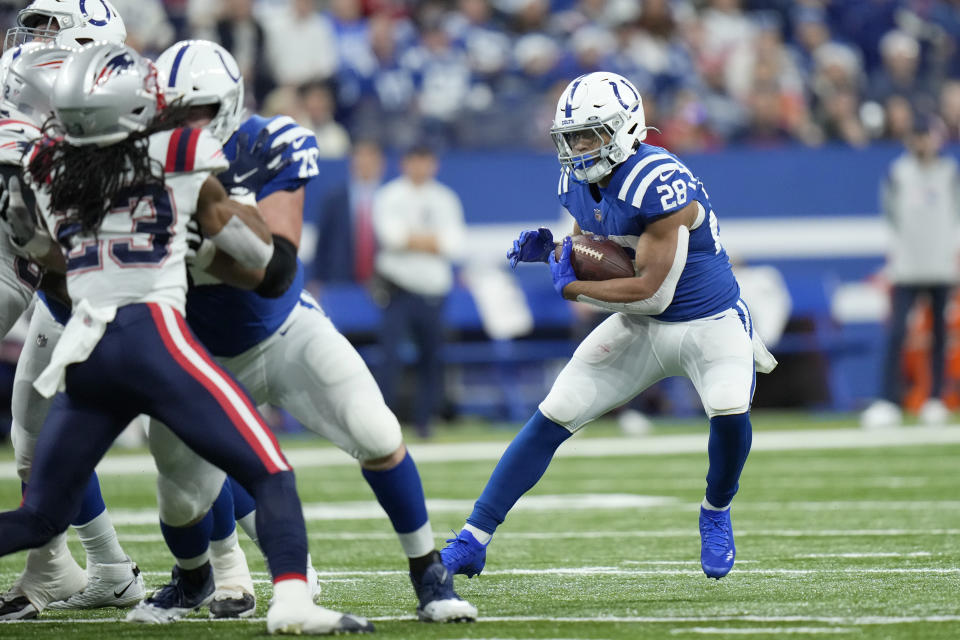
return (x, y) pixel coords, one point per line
(105, 92)
(28, 81)
(200, 72)
(68, 23)
(598, 123)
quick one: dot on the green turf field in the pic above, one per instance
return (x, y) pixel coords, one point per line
(858, 539)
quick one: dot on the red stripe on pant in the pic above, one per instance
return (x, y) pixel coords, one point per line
(214, 391)
(240, 391)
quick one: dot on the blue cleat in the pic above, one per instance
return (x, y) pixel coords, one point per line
(186, 592)
(438, 601)
(717, 551)
(464, 554)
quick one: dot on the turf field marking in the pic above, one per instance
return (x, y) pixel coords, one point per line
(620, 571)
(837, 620)
(876, 554)
(371, 510)
(141, 464)
(594, 535)
(764, 630)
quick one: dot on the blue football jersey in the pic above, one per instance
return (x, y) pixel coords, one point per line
(227, 320)
(648, 185)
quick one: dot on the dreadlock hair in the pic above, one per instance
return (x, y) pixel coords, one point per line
(84, 180)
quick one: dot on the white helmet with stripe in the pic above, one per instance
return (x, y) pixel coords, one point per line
(67, 22)
(200, 72)
(598, 124)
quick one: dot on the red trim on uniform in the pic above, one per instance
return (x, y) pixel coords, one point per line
(212, 388)
(172, 151)
(240, 391)
(192, 148)
(11, 121)
(289, 576)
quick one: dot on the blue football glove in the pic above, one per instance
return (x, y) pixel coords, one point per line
(531, 246)
(254, 166)
(561, 268)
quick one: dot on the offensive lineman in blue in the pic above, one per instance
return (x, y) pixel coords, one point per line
(680, 315)
(283, 348)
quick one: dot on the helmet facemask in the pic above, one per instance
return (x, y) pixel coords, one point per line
(599, 138)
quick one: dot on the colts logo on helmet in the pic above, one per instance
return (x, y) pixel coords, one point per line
(95, 21)
(114, 66)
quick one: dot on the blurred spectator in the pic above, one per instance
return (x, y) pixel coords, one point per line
(900, 73)
(346, 245)
(898, 118)
(444, 84)
(380, 94)
(686, 128)
(419, 227)
(810, 31)
(473, 30)
(836, 87)
(243, 36)
(318, 107)
(921, 201)
(950, 109)
(283, 101)
(301, 43)
(148, 29)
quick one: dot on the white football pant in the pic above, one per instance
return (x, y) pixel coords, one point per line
(626, 354)
(306, 367)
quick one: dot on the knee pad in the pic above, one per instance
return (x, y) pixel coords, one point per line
(182, 500)
(570, 401)
(373, 428)
(726, 398)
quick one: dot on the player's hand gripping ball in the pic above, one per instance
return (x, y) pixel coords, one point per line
(597, 258)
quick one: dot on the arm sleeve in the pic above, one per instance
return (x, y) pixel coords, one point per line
(661, 299)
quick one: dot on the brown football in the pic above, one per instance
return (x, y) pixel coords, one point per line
(597, 258)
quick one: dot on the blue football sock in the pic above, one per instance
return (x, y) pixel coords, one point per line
(190, 541)
(224, 522)
(730, 438)
(400, 493)
(243, 502)
(522, 465)
(92, 504)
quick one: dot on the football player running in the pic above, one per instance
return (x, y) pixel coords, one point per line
(117, 188)
(680, 315)
(52, 577)
(281, 346)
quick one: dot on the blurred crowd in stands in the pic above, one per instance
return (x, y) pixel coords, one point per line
(486, 73)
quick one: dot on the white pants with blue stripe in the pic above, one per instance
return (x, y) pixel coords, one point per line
(626, 354)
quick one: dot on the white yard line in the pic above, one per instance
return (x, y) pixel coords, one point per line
(119, 464)
(836, 620)
(600, 535)
(755, 631)
(620, 571)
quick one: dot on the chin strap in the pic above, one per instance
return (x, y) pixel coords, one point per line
(661, 299)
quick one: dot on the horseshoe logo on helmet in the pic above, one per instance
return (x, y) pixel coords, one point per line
(96, 21)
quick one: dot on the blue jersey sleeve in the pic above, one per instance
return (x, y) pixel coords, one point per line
(300, 154)
(658, 184)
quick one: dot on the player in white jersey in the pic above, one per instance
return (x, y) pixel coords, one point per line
(280, 344)
(680, 315)
(118, 191)
(51, 576)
